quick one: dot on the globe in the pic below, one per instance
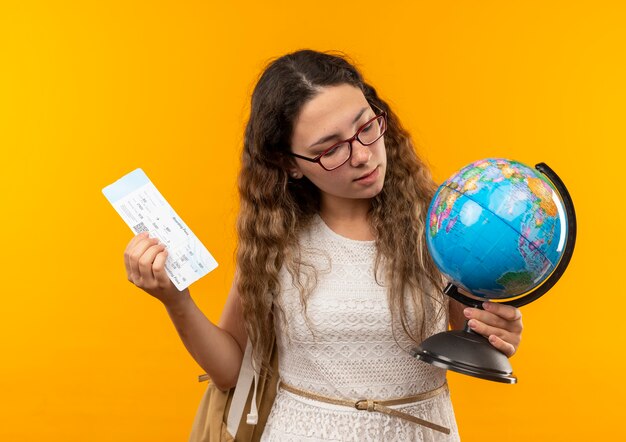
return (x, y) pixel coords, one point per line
(497, 228)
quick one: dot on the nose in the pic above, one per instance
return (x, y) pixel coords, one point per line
(360, 154)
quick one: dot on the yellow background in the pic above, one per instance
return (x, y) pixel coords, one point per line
(92, 90)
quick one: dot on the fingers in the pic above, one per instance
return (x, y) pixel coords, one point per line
(139, 257)
(488, 331)
(500, 323)
(158, 268)
(507, 312)
(145, 261)
(497, 316)
(505, 347)
(135, 254)
(129, 249)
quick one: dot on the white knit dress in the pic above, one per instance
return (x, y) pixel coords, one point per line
(346, 350)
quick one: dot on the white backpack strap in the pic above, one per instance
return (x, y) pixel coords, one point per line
(253, 416)
(240, 395)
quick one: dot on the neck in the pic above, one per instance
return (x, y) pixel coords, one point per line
(348, 218)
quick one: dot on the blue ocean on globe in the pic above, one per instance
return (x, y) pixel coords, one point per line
(497, 228)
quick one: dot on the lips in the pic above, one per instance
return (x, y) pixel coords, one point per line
(364, 177)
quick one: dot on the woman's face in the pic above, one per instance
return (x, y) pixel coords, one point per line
(334, 115)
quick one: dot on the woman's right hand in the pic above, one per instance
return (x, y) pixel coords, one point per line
(144, 259)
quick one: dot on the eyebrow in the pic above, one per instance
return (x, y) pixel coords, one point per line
(336, 135)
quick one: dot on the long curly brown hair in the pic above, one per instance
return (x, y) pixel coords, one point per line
(274, 209)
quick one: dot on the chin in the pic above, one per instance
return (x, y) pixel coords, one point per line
(377, 191)
(379, 186)
(374, 191)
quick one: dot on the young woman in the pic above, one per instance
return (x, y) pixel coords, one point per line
(332, 261)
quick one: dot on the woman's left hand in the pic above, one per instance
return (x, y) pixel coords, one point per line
(500, 323)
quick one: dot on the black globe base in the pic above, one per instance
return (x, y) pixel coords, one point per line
(466, 352)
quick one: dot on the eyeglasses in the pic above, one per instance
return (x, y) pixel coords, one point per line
(338, 154)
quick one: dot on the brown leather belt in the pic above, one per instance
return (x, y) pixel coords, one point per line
(380, 406)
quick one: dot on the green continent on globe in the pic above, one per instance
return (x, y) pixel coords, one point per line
(515, 281)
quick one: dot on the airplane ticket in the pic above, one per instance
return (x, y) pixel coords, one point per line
(143, 208)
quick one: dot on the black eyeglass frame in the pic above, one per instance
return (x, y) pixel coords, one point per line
(317, 159)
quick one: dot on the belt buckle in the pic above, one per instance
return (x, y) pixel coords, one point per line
(365, 405)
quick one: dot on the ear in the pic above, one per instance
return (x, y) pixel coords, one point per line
(293, 170)
(294, 173)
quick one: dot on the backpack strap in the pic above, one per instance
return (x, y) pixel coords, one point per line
(240, 395)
